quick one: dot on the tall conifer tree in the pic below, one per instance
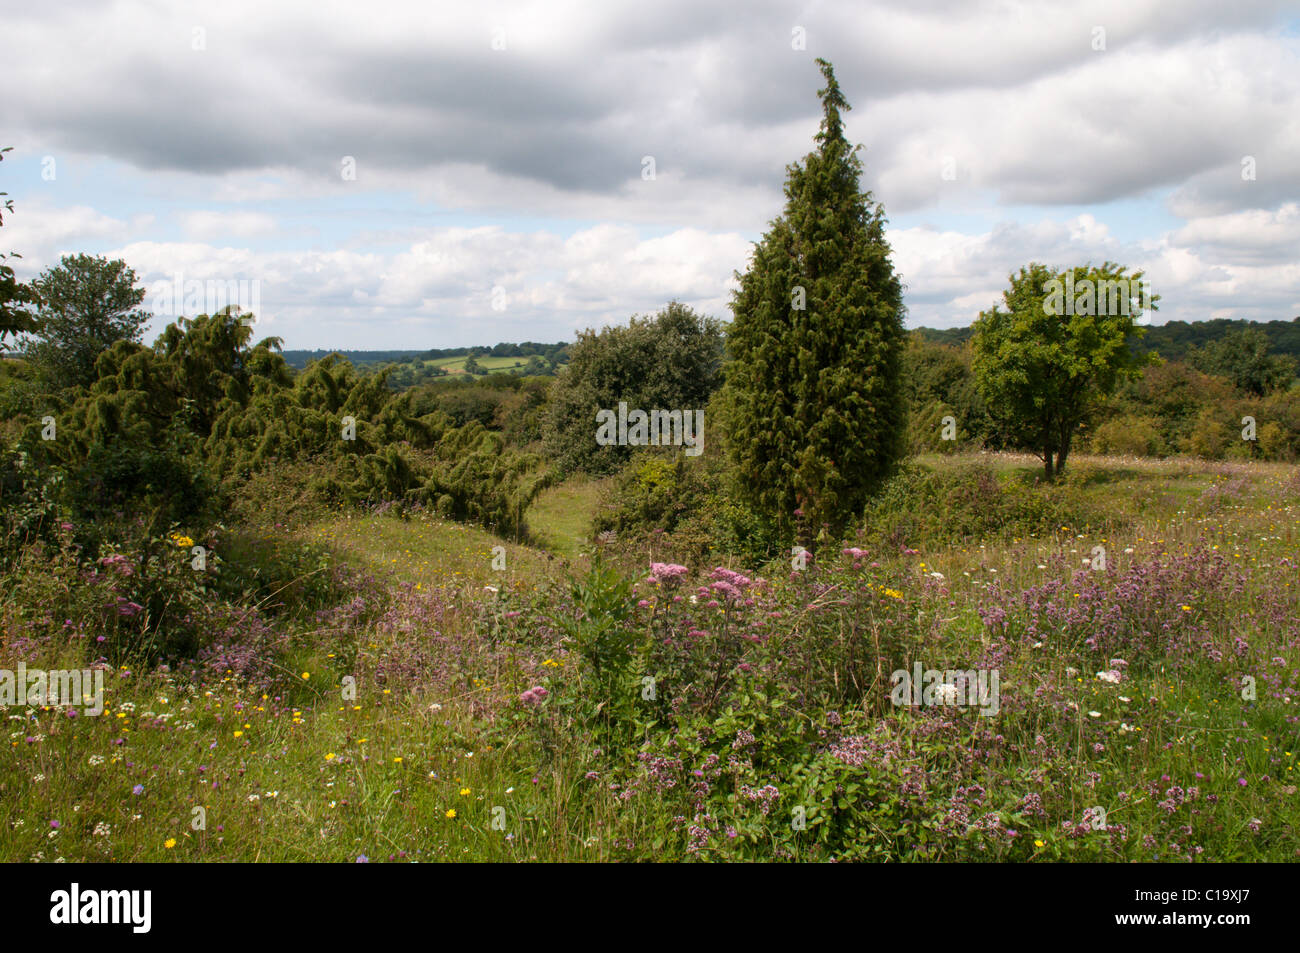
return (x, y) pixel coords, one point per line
(814, 405)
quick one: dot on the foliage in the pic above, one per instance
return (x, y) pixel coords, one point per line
(937, 382)
(678, 715)
(921, 506)
(1041, 370)
(161, 427)
(1173, 340)
(667, 507)
(16, 297)
(815, 416)
(1242, 357)
(86, 306)
(671, 361)
(1129, 435)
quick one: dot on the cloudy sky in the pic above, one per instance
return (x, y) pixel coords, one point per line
(428, 174)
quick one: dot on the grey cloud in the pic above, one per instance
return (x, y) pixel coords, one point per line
(715, 89)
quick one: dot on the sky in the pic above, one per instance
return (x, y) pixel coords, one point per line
(417, 175)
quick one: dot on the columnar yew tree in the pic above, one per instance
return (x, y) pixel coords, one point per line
(814, 405)
(1043, 364)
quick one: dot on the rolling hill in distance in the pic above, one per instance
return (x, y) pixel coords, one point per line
(1171, 341)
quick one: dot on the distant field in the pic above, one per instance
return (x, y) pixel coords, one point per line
(456, 365)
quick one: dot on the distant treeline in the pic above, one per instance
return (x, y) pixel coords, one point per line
(552, 353)
(1173, 340)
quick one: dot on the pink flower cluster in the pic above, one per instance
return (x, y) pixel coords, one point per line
(664, 573)
(857, 555)
(728, 583)
(534, 695)
(118, 563)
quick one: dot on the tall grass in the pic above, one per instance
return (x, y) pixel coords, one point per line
(393, 677)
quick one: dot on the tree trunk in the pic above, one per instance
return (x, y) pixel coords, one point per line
(1062, 453)
(1047, 463)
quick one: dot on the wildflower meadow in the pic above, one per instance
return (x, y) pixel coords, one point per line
(375, 707)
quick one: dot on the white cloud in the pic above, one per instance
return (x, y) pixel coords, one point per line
(203, 224)
(1188, 269)
(1248, 237)
(438, 292)
(41, 232)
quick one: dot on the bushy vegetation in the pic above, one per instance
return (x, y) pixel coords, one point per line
(677, 509)
(172, 431)
(1168, 409)
(671, 361)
